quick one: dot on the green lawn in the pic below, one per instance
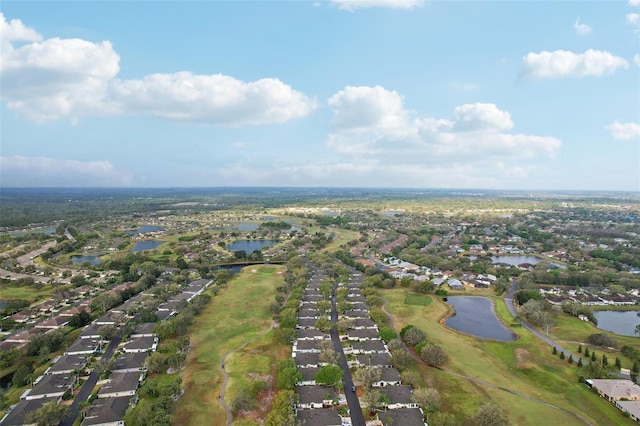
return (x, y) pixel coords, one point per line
(417, 299)
(238, 313)
(12, 292)
(525, 366)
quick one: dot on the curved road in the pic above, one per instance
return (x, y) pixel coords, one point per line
(223, 387)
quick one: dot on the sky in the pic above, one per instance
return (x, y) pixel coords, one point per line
(514, 95)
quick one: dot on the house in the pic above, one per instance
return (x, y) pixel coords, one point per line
(311, 397)
(388, 377)
(307, 346)
(308, 376)
(90, 332)
(107, 412)
(402, 416)
(365, 323)
(455, 284)
(376, 360)
(66, 364)
(306, 360)
(119, 384)
(308, 313)
(356, 314)
(615, 390)
(83, 347)
(49, 386)
(306, 323)
(110, 318)
(130, 362)
(141, 344)
(144, 330)
(53, 323)
(319, 417)
(311, 334)
(16, 415)
(630, 407)
(369, 347)
(363, 334)
(399, 397)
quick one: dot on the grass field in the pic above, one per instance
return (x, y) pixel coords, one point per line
(12, 292)
(417, 299)
(525, 366)
(238, 313)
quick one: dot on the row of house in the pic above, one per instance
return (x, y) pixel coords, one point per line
(625, 394)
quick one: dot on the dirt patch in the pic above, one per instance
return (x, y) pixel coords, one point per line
(523, 358)
(253, 271)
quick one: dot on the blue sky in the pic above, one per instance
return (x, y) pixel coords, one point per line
(345, 93)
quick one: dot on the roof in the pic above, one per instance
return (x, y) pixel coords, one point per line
(120, 382)
(82, 345)
(307, 359)
(398, 394)
(146, 342)
(319, 417)
(374, 359)
(67, 363)
(617, 388)
(16, 416)
(106, 410)
(317, 394)
(51, 384)
(144, 328)
(308, 373)
(631, 407)
(127, 361)
(402, 416)
(390, 375)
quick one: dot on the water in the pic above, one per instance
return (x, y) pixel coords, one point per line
(619, 322)
(475, 316)
(249, 245)
(91, 259)
(146, 228)
(145, 245)
(517, 260)
(247, 226)
(392, 213)
(47, 231)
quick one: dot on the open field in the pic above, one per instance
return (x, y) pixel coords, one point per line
(12, 292)
(238, 313)
(417, 299)
(525, 366)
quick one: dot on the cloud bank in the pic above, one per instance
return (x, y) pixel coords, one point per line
(352, 5)
(563, 63)
(45, 80)
(624, 131)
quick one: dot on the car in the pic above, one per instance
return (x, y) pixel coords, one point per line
(353, 388)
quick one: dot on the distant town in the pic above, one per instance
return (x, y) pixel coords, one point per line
(318, 307)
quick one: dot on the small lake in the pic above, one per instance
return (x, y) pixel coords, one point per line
(91, 259)
(392, 213)
(247, 226)
(146, 228)
(619, 322)
(46, 231)
(145, 245)
(250, 245)
(517, 260)
(475, 316)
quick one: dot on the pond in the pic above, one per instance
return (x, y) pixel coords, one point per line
(250, 245)
(517, 260)
(475, 316)
(145, 245)
(146, 228)
(91, 259)
(247, 226)
(46, 231)
(619, 322)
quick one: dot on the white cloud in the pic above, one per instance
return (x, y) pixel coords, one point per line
(581, 28)
(46, 80)
(633, 19)
(634, 3)
(58, 77)
(352, 5)
(214, 99)
(636, 59)
(464, 86)
(19, 171)
(624, 131)
(562, 63)
(371, 124)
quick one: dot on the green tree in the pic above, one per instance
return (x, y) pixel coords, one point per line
(434, 355)
(50, 414)
(329, 375)
(427, 398)
(490, 415)
(282, 412)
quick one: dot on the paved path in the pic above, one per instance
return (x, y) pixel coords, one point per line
(482, 382)
(223, 387)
